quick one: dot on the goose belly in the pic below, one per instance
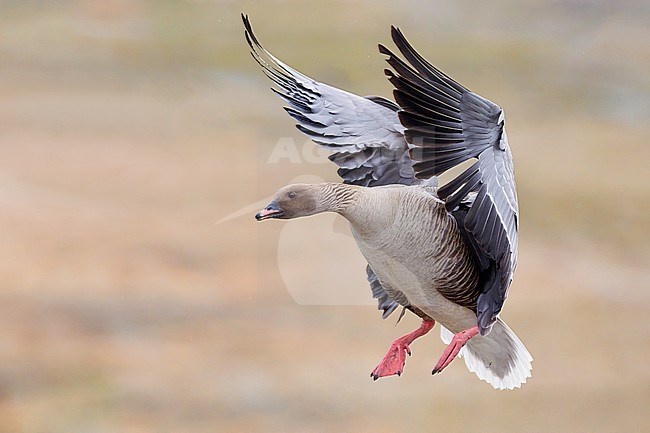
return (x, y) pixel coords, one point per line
(407, 272)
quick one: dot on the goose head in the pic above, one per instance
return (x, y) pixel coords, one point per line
(294, 201)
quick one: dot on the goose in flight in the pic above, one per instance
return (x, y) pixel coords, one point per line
(446, 253)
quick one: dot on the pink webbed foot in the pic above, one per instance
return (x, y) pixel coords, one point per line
(395, 358)
(457, 343)
(393, 362)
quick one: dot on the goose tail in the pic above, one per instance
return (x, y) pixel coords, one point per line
(499, 358)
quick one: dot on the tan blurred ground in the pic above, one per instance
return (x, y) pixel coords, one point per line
(129, 128)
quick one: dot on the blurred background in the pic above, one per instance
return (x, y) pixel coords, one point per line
(138, 139)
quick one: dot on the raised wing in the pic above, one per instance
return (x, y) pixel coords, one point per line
(364, 134)
(446, 124)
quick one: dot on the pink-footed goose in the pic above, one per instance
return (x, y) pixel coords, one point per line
(447, 254)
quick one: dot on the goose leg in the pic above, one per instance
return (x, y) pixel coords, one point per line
(457, 343)
(395, 358)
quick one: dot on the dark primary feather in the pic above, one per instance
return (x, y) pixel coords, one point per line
(446, 125)
(364, 134)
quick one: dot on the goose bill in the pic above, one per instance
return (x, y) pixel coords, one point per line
(271, 211)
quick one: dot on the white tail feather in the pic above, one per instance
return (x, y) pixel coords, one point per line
(499, 358)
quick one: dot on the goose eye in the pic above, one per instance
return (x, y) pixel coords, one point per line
(291, 194)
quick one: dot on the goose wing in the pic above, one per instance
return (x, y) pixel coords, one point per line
(364, 134)
(446, 124)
